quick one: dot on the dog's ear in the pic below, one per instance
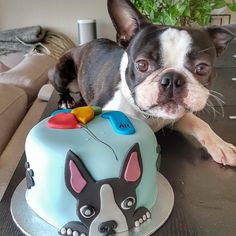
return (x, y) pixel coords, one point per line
(132, 168)
(222, 36)
(126, 19)
(77, 176)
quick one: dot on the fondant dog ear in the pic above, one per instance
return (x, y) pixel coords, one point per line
(77, 176)
(132, 168)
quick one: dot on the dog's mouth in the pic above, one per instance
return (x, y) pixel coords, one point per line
(168, 110)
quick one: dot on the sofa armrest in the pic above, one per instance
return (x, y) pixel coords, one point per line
(30, 74)
(13, 106)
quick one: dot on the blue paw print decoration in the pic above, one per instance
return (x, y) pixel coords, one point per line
(29, 173)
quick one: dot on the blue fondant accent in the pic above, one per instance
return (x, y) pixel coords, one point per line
(61, 111)
(120, 122)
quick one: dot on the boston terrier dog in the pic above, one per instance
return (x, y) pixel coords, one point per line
(158, 73)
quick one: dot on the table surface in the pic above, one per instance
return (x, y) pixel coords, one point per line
(205, 192)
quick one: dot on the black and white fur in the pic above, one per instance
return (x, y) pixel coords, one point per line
(158, 73)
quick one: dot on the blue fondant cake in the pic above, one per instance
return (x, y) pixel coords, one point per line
(92, 179)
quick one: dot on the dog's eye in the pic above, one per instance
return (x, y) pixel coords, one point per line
(128, 203)
(202, 69)
(87, 211)
(142, 65)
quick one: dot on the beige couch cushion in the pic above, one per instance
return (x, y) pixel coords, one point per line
(30, 74)
(13, 106)
(12, 59)
(3, 67)
(15, 148)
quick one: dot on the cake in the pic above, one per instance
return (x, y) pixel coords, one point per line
(90, 172)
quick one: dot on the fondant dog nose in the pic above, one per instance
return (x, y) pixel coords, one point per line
(108, 228)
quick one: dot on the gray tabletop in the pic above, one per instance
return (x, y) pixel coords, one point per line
(205, 192)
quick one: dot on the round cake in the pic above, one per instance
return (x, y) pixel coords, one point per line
(91, 173)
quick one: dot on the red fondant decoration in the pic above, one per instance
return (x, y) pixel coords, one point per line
(77, 181)
(132, 171)
(63, 121)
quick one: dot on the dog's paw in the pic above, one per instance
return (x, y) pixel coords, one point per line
(221, 151)
(66, 102)
(74, 229)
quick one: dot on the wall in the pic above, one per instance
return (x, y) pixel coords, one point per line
(60, 15)
(233, 14)
(233, 17)
(225, 19)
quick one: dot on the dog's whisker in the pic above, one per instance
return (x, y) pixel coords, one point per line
(213, 91)
(210, 108)
(207, 109)
(219, 100)
(213, 108)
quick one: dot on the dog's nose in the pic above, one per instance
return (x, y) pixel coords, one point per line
(172, 80)
(108, 228)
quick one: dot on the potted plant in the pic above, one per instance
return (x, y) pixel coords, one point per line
(181, 12)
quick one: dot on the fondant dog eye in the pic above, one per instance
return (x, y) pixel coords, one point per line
(142, 65)
(128, 203)
(87, 211)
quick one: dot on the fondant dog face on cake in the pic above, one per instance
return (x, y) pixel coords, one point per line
(108, 206)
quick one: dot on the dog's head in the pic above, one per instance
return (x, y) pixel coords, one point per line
(166, 71)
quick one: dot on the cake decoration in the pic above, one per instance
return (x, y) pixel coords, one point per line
(29, 176)
(132, 172)
(83, 114)
(63, 121)
(91, 134)
(97, 110)
(105, 207)
(77, 182)
(72, 118)
(61, 111)
(107, 183)
(120, 122)
(74, 229)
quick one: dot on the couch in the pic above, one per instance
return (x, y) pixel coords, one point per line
(21, 78)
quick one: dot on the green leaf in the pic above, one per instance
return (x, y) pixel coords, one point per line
(232, 7)
(216, 4)
(187, 12)
(181, 8)
(180, 12)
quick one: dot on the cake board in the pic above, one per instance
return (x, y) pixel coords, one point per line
(32, 225)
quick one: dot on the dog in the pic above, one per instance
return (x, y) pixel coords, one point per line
(116, 195)
(158, 73)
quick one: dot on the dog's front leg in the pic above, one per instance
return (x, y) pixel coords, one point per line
(221, 151)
